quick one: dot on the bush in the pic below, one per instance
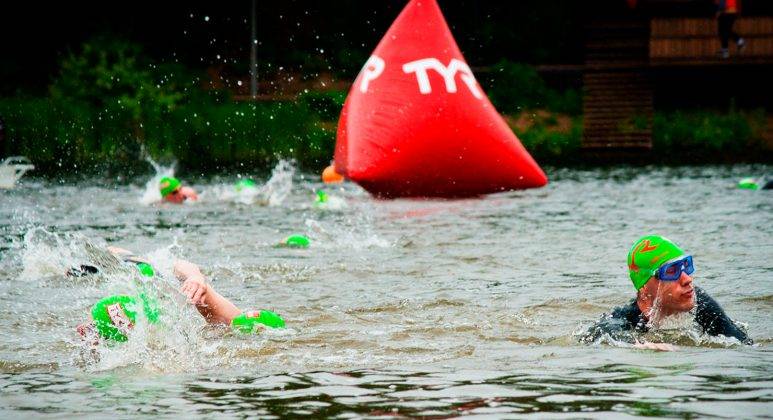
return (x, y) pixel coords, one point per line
(545, 143)
(515, 87)
(706, 132)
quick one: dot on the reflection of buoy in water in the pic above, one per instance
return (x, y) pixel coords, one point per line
(330, 176)
(253, 321)
(244, 184)
(416, 122)
(296, 241)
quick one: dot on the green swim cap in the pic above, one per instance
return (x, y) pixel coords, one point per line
(296, 241)
(244, 184)
(168, 185)
(321, 197)
(748, 184)
(250, 321)
(115, 315)
(647, 255)
(146, 269)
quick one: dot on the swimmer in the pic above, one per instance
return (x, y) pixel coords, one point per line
(762, 183)
(172, 191)
(661, 273)
(119, 312)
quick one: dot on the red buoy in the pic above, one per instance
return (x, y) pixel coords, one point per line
(416, 122)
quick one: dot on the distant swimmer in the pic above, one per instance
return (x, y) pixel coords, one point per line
(113, 317)
(660, 272)
(763, 183)
(173, 191)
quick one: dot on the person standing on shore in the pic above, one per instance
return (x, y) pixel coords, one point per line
(727, 12)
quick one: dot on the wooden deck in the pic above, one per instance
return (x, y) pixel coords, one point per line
(694, 41)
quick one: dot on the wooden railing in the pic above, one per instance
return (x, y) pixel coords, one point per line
(695, 41)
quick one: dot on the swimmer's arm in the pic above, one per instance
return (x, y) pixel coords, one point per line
(714, 321)
(211, 305)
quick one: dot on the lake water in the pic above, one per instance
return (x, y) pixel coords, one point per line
(398, 308)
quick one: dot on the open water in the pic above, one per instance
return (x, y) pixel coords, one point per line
(398, 308)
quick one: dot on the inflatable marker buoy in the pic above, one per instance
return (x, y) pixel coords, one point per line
(115, 316)
(296, 241)
(244, 184)
(416, 122)
(253, 321)
(330, 176)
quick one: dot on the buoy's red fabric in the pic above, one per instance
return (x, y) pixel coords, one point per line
(416, 123)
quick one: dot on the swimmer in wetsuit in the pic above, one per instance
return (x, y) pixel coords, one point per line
(215, 308)
(174, 192)
(660, 272)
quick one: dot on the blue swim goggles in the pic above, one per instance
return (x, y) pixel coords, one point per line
(673, 269)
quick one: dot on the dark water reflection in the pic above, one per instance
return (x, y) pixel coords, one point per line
(399, 308)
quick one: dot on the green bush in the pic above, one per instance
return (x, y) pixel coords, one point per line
(545, 143)
(514, 87)
(706, 132)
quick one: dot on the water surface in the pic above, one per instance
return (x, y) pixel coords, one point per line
(405, 307)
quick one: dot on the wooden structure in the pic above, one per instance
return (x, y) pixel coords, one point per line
(623, 50)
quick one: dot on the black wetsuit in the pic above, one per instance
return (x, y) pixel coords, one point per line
(624, 321)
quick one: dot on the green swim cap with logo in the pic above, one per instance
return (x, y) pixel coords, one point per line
(114, 315)
(168, 185)
(251, 321)
(647, 255)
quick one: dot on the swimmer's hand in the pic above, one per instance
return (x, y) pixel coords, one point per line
(195, 290)
(655, 346)
(194, 286)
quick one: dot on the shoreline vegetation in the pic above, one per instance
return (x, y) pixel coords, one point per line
(110, 105)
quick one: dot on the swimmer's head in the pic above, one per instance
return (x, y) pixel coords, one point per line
(168, 185)
(660, 270)
(145, 269)
(646, 256)
(114, 316)
(244, 184)
(296, 241)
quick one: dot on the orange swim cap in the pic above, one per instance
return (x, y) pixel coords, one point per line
(330, 176)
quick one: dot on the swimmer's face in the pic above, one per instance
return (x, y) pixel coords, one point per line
(677, 295)
(175, 196)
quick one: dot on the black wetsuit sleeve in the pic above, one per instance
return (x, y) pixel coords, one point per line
(618, 325)
(713, 320)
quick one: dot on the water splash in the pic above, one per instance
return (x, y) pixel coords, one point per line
(272, 193)
(278, 187)
(151, 194)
